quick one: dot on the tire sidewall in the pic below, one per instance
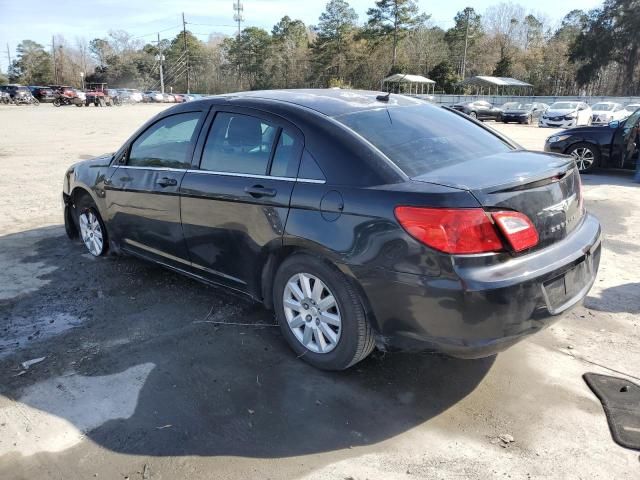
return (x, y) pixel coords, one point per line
(85, 204)
(351, 312)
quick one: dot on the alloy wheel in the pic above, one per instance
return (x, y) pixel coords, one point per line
(584, 157)
(91, 232)
(312, 313)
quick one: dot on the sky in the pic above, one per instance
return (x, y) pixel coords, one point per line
(73, 18)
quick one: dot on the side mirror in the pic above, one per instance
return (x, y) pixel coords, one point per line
(614, 124)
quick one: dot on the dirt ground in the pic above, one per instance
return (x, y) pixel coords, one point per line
(136, 383)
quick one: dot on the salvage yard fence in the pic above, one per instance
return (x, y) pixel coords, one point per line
(443, 99)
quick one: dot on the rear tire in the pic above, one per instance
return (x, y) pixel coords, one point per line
(473, 115)
(323, 311)
(586, 156)
(56, 102)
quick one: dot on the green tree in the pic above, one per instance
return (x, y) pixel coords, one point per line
(392, 19)
(610, 36)
(288, 54)
(464, 35)
(503, 67)
(33, 65)
(444, 76)
(248, 54)
(334, 30)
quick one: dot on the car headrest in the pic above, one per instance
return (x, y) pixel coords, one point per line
(244, 131)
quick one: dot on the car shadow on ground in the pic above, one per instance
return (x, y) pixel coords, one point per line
(151, 365)
(621, 298)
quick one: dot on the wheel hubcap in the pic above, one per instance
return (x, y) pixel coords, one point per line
(584, 158)
(312, 313)
(91, 232)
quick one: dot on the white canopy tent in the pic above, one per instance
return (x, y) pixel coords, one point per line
(415, 83)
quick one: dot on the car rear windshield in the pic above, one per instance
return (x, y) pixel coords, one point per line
(564, 106)
(603, 107)
(423, 138)
(516, 106)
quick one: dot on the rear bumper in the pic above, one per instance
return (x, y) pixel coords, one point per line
(483, 309)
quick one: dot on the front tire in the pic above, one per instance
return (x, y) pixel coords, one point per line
(93, 232)
(473, 115)
(586, 156)
(321, 315)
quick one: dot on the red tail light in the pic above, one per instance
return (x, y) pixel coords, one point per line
(517, 228)
(467, 230)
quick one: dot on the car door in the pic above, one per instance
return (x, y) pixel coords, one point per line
(143, 204)
(235, 199)
(482, 110)
(626, 140)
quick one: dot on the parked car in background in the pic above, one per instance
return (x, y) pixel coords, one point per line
(19, 94)
(438, 233)
(130, 95)
(522, 112)
(566, 115)
(479, 109)
(43, 94)
(5, 98)
(632, 107)
(153, 96)
(168, 98)
(604, 112)
(612, 146)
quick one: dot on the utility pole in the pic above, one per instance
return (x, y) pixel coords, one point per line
(8, 58)
(161, 59)
(466, 44)
(238, 16)
(184, 36)
(53, 54)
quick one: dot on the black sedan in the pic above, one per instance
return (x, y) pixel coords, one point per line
(479, 109)
(521, 112)
(610, 146)
(362, 219)
(43, 94)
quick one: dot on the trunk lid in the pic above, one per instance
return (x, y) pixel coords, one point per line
(545, 187)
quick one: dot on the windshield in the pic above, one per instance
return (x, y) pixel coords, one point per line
(516, 106)
(606, 107)
(423, 138)
(564, 106)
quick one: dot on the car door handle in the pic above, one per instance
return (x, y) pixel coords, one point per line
(258, 191)
(167, 182)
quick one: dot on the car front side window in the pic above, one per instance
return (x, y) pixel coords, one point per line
(167, 143)
(238, 143)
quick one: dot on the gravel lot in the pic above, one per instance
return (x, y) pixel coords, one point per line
(134, 384)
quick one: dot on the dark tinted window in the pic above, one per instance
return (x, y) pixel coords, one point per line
(421, 139)
(166, 143)
(285, 157)
(238, 144)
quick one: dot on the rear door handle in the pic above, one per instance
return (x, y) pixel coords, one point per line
(258, 191)
(167, 182)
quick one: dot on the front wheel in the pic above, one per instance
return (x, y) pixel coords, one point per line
(321, 315)
(586, 156)
(92, 229)
(473, 115)
(56, 102)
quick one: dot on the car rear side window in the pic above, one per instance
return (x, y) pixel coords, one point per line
(421, 139)
(167, 143)
(238, 144)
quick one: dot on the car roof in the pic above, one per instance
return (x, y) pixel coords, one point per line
(330, 102)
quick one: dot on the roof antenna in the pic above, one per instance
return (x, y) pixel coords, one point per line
(385, 98)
